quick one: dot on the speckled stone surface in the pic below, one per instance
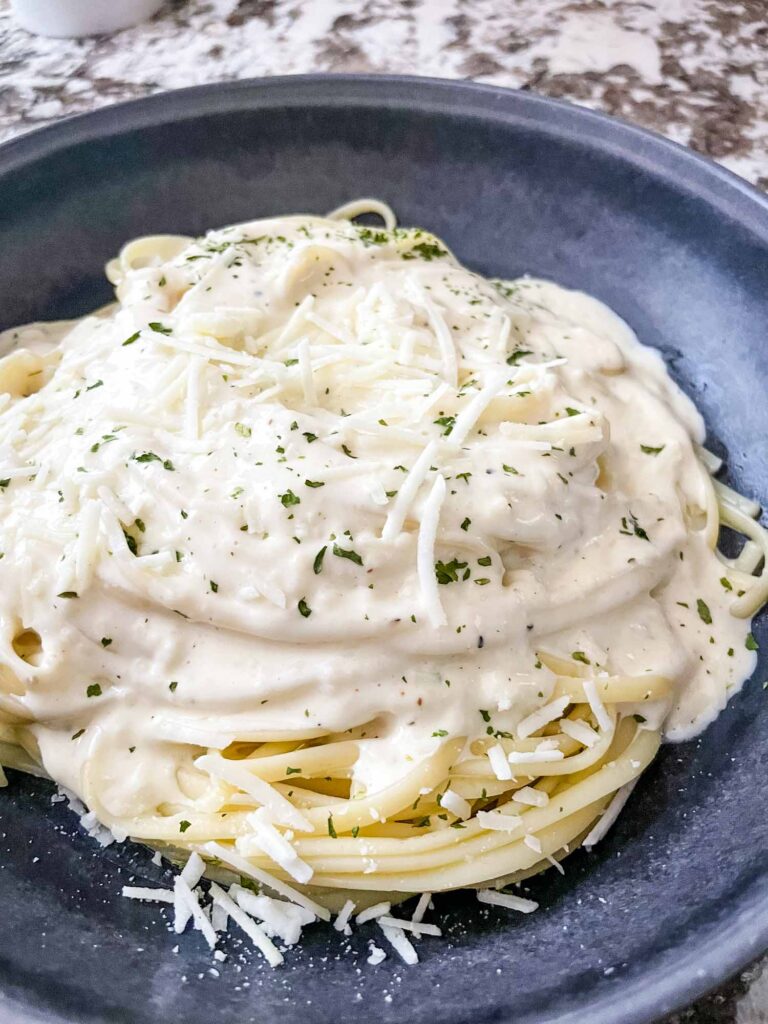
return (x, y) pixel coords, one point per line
(694, 70)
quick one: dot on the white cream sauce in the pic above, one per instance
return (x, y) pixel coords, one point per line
(303, 351)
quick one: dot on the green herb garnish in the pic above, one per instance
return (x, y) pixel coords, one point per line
(448, 572)
(347, 553)
(447, 423)
(152, 457)
(425, 250)
(516, 356)
(704, 613)
(289, 498)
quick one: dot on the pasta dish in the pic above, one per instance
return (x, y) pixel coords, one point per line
(351, 574)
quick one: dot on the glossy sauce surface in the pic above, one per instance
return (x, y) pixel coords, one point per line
(201, 519)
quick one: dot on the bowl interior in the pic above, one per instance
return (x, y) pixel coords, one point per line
(675, 898)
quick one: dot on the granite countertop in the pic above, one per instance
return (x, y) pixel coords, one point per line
(694, 70)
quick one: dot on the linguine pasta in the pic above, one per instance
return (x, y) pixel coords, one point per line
(335, 563)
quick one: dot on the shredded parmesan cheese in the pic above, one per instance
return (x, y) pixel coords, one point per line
(307, 377)
(596, 705)
(530, 796)
(542, 716)
(469, 416)
(138, 892)
(257, 935)
(200, 921)
(237, 775)
(535, 756)
(580, 731)
(377, 910)
(426, 553)
(342, 919)
(377, 954)
(398, 941)
(496, 821)
(244, 867)
(418, 928)
(508, 900)
(499, 763)
(267, 838)
(421, 907)
(609, 816)
(455, 804)
(408, 492)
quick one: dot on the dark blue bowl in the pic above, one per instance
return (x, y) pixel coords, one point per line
(676, 899)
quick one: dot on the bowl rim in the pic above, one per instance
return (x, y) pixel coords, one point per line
(701, 963)
(553, 116)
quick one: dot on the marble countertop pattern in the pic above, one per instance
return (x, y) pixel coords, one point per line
(694, 70)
